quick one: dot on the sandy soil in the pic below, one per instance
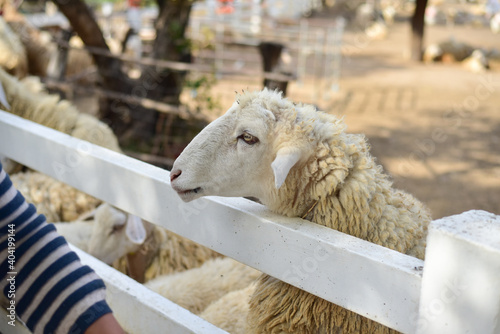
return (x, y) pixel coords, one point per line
(435, 128)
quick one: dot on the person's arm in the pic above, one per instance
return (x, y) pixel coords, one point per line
(43, 280)
(105, 324)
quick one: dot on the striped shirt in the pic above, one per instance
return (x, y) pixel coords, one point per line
(43, 280)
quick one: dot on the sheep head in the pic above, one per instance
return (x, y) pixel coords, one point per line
(115, 233)
(252, 149)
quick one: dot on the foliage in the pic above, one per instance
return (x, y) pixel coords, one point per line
(200, 93)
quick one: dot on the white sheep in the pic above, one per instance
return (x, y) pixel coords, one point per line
(140, 249)
(58, 201)
(196, 288)
(13, 55)
(300, 163)
(27, 99)
(135, 247)
(54, 113)
(77, 233)
(41, 49)
(227, 311)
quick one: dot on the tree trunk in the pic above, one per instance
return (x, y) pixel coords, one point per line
(82, 20)
(417, 30)
(133, 122)
(117, 114)
(170, 44)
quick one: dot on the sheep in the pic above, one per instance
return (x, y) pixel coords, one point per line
(27, 98)
(226, 312)
(141, 249)
(77, 233)
(163, 251)
(56, 200)
(52, 112)
(196, 288)
(41, 48)
(13, 56)
(133, 246)
(300, 163)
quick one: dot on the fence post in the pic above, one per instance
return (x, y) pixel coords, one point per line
(461, 278)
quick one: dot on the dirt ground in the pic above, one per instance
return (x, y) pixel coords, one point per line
(434, 127)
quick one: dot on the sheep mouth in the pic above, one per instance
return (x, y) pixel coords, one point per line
(189, 194)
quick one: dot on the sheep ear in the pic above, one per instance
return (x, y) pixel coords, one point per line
(135, 230)
(3, 98)
(285, 159)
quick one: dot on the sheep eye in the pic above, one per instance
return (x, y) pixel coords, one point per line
(116, 228)
(249, 139)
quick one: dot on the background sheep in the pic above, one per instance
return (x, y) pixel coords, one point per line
(13, 56)
(76, 233)
(39, 47)
(54, 113)
(135, 247)
(226, 312)
(196, 288)
(56, 200)
(162, 252)
(300, 163)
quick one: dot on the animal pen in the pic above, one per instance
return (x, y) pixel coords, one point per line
(231, 42)
(456, 289)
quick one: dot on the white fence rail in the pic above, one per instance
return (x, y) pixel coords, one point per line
(376, 282)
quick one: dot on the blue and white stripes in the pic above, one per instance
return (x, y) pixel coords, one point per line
(43, 280)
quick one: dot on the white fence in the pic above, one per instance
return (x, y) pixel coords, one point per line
(458, 290)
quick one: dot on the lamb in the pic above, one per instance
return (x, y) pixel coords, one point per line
(300, 163)
(196, 288)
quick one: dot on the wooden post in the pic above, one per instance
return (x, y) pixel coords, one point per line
(56, 68)
(271, 53)
(417, 30)
(461, 279)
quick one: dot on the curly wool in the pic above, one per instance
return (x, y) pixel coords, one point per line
(56, 200)
(348, 192)
(54, 113)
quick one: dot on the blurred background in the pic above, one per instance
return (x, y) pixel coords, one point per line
(419, 78)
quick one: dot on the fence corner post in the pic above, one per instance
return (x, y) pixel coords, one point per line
(461, 278)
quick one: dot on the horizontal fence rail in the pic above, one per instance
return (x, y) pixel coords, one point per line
(371, 280)
(140, 310)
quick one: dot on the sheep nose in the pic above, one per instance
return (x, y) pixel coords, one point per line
(175, 174)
